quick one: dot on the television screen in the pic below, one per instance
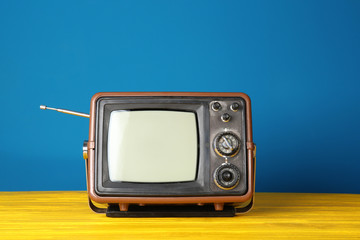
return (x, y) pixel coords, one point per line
(152, 146)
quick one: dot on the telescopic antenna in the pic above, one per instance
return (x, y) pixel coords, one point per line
(80, 114)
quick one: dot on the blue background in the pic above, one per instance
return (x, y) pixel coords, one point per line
(297, 60)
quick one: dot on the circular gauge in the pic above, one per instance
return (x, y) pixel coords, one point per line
(227, 176)
(227, 144)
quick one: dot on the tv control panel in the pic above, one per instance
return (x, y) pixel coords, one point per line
(228, 145)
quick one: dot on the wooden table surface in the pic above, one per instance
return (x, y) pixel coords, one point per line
(66, 215)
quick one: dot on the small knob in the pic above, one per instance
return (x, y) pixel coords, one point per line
(225, 117)
(235, 107)
(227, 176)
(85, 150)
(216, 106)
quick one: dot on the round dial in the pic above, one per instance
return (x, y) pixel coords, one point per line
(227, 176)
(227, 144)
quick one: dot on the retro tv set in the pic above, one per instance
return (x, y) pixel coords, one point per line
(165, 154)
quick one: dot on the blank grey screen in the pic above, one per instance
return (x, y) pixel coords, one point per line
(152, 146)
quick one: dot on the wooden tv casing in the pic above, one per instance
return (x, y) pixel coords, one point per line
(218, 201)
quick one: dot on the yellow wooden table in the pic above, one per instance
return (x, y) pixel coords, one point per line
(66, 215)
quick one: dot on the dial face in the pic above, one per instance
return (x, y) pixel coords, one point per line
(227, 144)
(227, 176)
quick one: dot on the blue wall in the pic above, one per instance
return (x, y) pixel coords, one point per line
(298, 61)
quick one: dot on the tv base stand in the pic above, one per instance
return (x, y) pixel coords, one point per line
(170, 211)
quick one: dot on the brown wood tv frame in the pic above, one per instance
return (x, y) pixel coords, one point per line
(124, 202)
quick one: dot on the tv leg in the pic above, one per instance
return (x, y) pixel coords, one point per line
(219, 206)
(123, 207)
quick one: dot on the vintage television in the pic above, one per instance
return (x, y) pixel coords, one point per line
(164, 154)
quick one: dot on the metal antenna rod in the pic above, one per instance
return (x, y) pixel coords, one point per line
(80, 114)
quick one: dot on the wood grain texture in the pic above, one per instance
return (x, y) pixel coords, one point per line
(66, 215)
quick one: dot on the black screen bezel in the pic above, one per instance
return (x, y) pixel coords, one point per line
(105, 187)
